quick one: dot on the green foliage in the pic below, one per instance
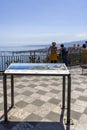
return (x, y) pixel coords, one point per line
(8, 62)
(32, 59)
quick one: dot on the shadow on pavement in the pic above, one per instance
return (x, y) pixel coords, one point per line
(31, 126)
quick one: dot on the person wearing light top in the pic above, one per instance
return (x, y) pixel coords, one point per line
(53, 53)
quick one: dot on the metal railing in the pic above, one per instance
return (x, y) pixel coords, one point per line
(8, 57)
(41, 56)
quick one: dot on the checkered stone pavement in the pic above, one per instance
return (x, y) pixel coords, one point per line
(38, 102)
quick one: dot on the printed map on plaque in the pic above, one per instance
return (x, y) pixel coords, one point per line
(37, 66)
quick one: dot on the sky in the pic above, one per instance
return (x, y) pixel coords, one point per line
(24, 22)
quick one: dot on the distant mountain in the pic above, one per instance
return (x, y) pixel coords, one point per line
(69, 44)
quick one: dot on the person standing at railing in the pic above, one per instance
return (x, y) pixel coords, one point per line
(84, 54)
(86, 43)
(64, 54)
(52, 51)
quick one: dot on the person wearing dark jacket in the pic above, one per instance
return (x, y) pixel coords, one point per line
(64, 54)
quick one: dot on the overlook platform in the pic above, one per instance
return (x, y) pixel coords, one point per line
(38, 103)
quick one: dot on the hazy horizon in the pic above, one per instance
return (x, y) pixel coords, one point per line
(67, 44)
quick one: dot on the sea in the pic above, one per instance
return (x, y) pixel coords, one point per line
(23, 47)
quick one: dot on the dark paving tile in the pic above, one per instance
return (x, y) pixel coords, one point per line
(77, 83)
(38, 102)
(32, 85)
(21, 104)
(1, 106)
(27, 93)
(43, 84)
(36, 80)
(55, 91)
(85, 111)
(54, 84)
(1, 94)
(75, 115)
(45, 79)
(55, 78)
(79, 89)
(73, 100)
(15, 94)
(20, 86)
(82, 98)
(85, 82)
(53, 116)
(33, 117)
(54, 101)
(41, 92)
